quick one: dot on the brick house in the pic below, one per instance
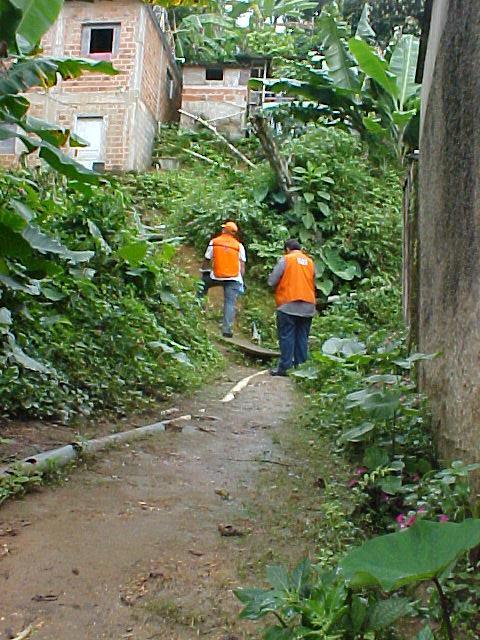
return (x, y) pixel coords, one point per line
(219, 93)
(118, 115)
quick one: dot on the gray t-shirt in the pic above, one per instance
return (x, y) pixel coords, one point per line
(295, 308)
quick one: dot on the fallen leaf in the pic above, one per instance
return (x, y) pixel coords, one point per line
(228, 530)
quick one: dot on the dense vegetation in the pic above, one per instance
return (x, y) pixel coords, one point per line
(126, 309)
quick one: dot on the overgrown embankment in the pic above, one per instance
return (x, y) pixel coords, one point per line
(94, 315)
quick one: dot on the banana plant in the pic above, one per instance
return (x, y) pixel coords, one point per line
(25, 250)
(360, 88)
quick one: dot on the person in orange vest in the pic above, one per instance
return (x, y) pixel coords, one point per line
(293, 280)
(228, 258)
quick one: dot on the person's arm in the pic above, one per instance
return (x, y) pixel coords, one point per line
(277, 273)
(243, 260)
(207, 260)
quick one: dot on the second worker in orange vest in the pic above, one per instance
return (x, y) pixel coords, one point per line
(293, 280)
(228, 258)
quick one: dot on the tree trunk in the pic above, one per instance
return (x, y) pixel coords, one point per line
(278, 164)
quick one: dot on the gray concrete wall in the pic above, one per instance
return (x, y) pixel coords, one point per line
(449, 228)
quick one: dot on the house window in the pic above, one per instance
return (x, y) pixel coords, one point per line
(7, 147)
(214, 73)
(170, 85)
(100, 40)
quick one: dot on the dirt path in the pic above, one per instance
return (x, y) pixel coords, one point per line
(130, 547)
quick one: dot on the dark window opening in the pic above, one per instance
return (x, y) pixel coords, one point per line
(101, 40)
(214, 73)
(256, 73)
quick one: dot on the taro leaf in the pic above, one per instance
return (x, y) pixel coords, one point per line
(422, 552)
(51, 293)
(5, 316)
(385, 378)
(375, 457)
(157, 344)
(408, 363)
(31, 287)
(169, 298)
(260, 192)
(357, 433)
(45, 244)
(325, 285)
(307, 373)
(182, 358)
(386, 612)
(21, 358)
(379, 404)
(391, 484)
(134, 252)
(332, 346)
(347, 270)
(5, 319)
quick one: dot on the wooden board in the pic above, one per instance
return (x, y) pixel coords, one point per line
(250, 348)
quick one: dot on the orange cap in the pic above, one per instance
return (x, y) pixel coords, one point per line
(231, 226)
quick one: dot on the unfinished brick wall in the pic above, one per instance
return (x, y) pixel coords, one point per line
(222, 102)
(131, 103)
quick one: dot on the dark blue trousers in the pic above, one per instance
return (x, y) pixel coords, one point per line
(293, 332)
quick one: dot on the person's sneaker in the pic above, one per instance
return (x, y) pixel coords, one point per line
(278, 372)
(227, 335)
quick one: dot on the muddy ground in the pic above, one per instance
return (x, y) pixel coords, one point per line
(130, 546)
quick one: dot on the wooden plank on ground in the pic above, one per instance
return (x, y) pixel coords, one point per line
(250, 348)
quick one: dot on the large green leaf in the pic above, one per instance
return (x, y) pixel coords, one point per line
(364, 28)
(422, 552)
(37, 18)
(10, 17)
(341, 65)
(65, 165)
(345, 269)
(386, 612)
(44, 72)
(403, 65)
(45, 244)
(373, 66)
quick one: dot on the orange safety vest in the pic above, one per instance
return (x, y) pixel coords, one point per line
(226, 251)
(297, 281)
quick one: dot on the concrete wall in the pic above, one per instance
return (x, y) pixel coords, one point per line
(449, 228)
(131, 103)
(221, 102)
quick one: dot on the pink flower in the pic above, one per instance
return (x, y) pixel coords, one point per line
(421, 510)
(352, 483)
(360, 471)
(443, 518)
(400, 519)
(410, 521)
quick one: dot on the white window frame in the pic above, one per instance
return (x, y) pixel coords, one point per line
(87, 38)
